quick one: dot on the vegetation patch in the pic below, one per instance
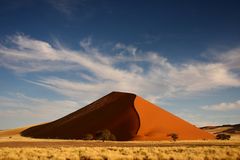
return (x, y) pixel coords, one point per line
(104, 135)
(223, 136)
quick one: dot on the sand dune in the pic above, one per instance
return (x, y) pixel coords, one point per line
(114, 111)
(229, 129)
(12, 132)
(126, 115)
(156, 124)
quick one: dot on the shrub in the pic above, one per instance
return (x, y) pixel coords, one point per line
(104, 135)
(174, 136)
(223, 136)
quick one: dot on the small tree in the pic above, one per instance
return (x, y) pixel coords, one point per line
(174, 136)
(104, 135)
(223, 136)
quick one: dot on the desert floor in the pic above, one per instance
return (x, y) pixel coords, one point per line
(13, 146)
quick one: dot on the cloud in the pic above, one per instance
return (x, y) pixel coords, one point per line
(71, 8)
(197, 119)
(124, 48)
(223, 106)
(19, 109)
(64, 6)
(201, 77)
(206, 118)
(231, 58)
(35, 107)
(145, 73)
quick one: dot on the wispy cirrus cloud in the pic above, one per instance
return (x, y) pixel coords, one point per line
(145, 73)
(70, 8)
(125, 48)
(64, 6)
(20, 108)
(223, 106)
(28, 104)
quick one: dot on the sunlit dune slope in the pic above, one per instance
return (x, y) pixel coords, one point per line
(157, 124)
(12, 132)
(126, 115)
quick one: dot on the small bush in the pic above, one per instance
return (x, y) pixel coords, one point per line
(174, 136)
(223, 136)
(104, 135)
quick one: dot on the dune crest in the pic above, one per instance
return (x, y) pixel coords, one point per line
(126, 115)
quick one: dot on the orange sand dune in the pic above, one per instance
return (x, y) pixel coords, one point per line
(156, 124)
(114, 111)
(12, 132)
(126, 115)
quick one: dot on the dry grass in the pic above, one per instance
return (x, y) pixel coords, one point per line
(171, 153)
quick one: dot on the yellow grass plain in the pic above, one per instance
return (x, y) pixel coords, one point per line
(131, 153)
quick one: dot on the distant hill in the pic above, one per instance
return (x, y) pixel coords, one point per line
(227, 129)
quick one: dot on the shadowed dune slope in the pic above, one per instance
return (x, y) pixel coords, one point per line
(114, 111)
(156, 124)
(126, 115)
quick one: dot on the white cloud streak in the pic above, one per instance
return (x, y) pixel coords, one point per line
(124, 48)
(223, 106)
(19, 109)
(35, 107)
(231, 58)
(64, 6)
(146, 74)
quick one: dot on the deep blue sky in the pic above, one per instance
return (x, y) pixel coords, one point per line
(174, 28)
(197, 40)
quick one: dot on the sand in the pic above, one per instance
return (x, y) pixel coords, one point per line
(157, 124)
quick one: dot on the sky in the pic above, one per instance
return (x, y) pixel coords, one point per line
(57, 56)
